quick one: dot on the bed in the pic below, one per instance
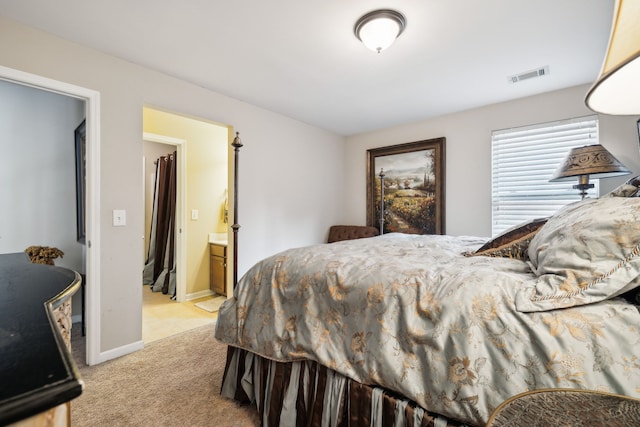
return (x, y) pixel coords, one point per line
(432, 330)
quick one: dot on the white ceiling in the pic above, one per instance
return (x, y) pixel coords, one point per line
(301, 59)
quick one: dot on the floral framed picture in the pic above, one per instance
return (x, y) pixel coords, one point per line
(405, 187)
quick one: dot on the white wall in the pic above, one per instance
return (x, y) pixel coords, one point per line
(468, 152)
(291, 178)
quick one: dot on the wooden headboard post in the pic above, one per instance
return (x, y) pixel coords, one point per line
(381, 201)
(236, 144)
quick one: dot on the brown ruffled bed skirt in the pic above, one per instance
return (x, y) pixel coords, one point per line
(308, 394)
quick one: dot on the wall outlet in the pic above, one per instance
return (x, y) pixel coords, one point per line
(119, 218)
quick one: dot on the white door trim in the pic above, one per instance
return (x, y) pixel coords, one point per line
(181, 191)
(92, 111)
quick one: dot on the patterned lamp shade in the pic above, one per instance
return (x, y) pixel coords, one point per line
(588, 160)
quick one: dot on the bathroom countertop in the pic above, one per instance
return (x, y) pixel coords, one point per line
(218, 239)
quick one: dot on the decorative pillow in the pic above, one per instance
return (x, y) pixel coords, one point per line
(631, 188)
(589, 251)
(512, 243)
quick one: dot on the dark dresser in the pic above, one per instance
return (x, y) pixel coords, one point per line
(37, 374)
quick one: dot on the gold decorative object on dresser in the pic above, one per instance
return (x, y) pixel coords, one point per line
(38, 377)
(218, 267)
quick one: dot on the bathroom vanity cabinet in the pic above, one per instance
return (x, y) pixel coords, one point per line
(218, 268)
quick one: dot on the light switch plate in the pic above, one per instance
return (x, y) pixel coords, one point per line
(119, 217)
(194, 214)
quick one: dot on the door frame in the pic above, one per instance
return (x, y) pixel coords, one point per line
(181, 186)
(91, 99)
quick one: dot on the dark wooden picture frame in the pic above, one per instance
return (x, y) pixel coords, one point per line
(81, 173)
(414, 184)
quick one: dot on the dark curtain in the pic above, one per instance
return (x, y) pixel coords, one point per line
(159, 270)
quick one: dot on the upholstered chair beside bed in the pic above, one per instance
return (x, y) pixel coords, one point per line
(338, 233)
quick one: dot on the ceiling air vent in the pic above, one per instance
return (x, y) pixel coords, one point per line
(538, 72)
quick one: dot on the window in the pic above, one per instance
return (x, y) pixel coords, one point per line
(523, 161)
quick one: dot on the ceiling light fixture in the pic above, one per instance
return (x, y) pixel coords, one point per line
(379, 29)
(617, 89)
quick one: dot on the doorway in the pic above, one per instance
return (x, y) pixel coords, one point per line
(202, 182)
(91, 101)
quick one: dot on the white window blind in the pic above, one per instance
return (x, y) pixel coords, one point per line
(523, 161)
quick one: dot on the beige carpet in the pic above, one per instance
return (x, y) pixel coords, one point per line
(174, 381)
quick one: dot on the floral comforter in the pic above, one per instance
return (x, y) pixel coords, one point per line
(412, 314)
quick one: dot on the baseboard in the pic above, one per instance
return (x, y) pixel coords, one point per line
(76, 318)
(199, 294)
(120, 351)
